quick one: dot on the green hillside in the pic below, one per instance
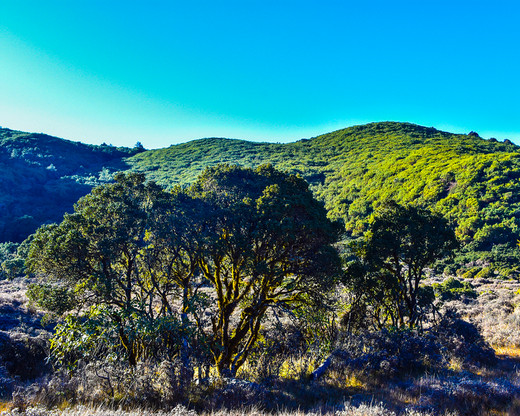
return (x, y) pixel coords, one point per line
(41, 177)
(472, 181)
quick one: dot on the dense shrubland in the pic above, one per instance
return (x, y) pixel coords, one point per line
(472, 182)
(43, 176)
(231, 293)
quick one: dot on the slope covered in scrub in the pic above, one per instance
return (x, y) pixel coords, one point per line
(472, 181)
(42, 176)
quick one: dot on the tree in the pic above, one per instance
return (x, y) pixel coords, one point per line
(154, 265)
(267, 243)
(115, 251)
(401, 243)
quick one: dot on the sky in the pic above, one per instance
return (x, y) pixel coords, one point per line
(165, 72)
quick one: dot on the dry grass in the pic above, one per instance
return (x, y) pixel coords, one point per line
(387, 372)
(509, 351)
(347, 409)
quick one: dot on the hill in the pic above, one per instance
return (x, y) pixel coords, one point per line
(472, 181)
(41, 177)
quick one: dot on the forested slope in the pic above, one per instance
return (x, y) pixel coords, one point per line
(41, 177)
(472, 181)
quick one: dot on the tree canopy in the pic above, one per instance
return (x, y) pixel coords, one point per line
(157, 264)
(268, 243)
(401, 243)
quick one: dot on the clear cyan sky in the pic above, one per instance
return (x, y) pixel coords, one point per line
(164, 72)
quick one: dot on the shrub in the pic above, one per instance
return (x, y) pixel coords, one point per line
(53, 298)
(470, 273)
(485, 273)
(452, 289)
(392, 353)
(23, 356)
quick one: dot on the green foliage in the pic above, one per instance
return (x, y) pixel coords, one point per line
(96, 336)
(7, 251)
(400, 244)
(253, 239)
(12, 267)
(485, 273)
(453, 288)
(53, 298)
(12, 260)
(470, 273)
(471, 181)
(267, 243)
(80, 338)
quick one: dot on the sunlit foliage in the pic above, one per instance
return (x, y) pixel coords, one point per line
(471, 181)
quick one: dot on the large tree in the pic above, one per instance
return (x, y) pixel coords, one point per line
(267, 243)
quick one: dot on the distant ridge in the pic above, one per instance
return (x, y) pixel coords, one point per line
(472, 181)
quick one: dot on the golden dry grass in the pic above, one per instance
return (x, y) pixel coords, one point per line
(507, 351)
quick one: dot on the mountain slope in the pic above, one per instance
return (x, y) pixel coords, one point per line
(472, 181)
(41, 177)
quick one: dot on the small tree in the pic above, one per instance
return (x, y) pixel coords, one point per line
(401, 243)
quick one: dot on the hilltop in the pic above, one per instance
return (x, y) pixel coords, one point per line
(470, 180)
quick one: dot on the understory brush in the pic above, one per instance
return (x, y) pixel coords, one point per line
(383, 355)
(447, 368)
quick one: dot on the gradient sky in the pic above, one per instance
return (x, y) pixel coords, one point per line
(165, 72)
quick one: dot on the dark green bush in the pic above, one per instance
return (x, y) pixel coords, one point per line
(453, 288)
(52, 298)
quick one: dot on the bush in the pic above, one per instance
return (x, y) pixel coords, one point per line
(24, 356)
(470, 273)
(485, 273)
(452, 289)
(388, 353)
(462, 341)
(53, 298)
